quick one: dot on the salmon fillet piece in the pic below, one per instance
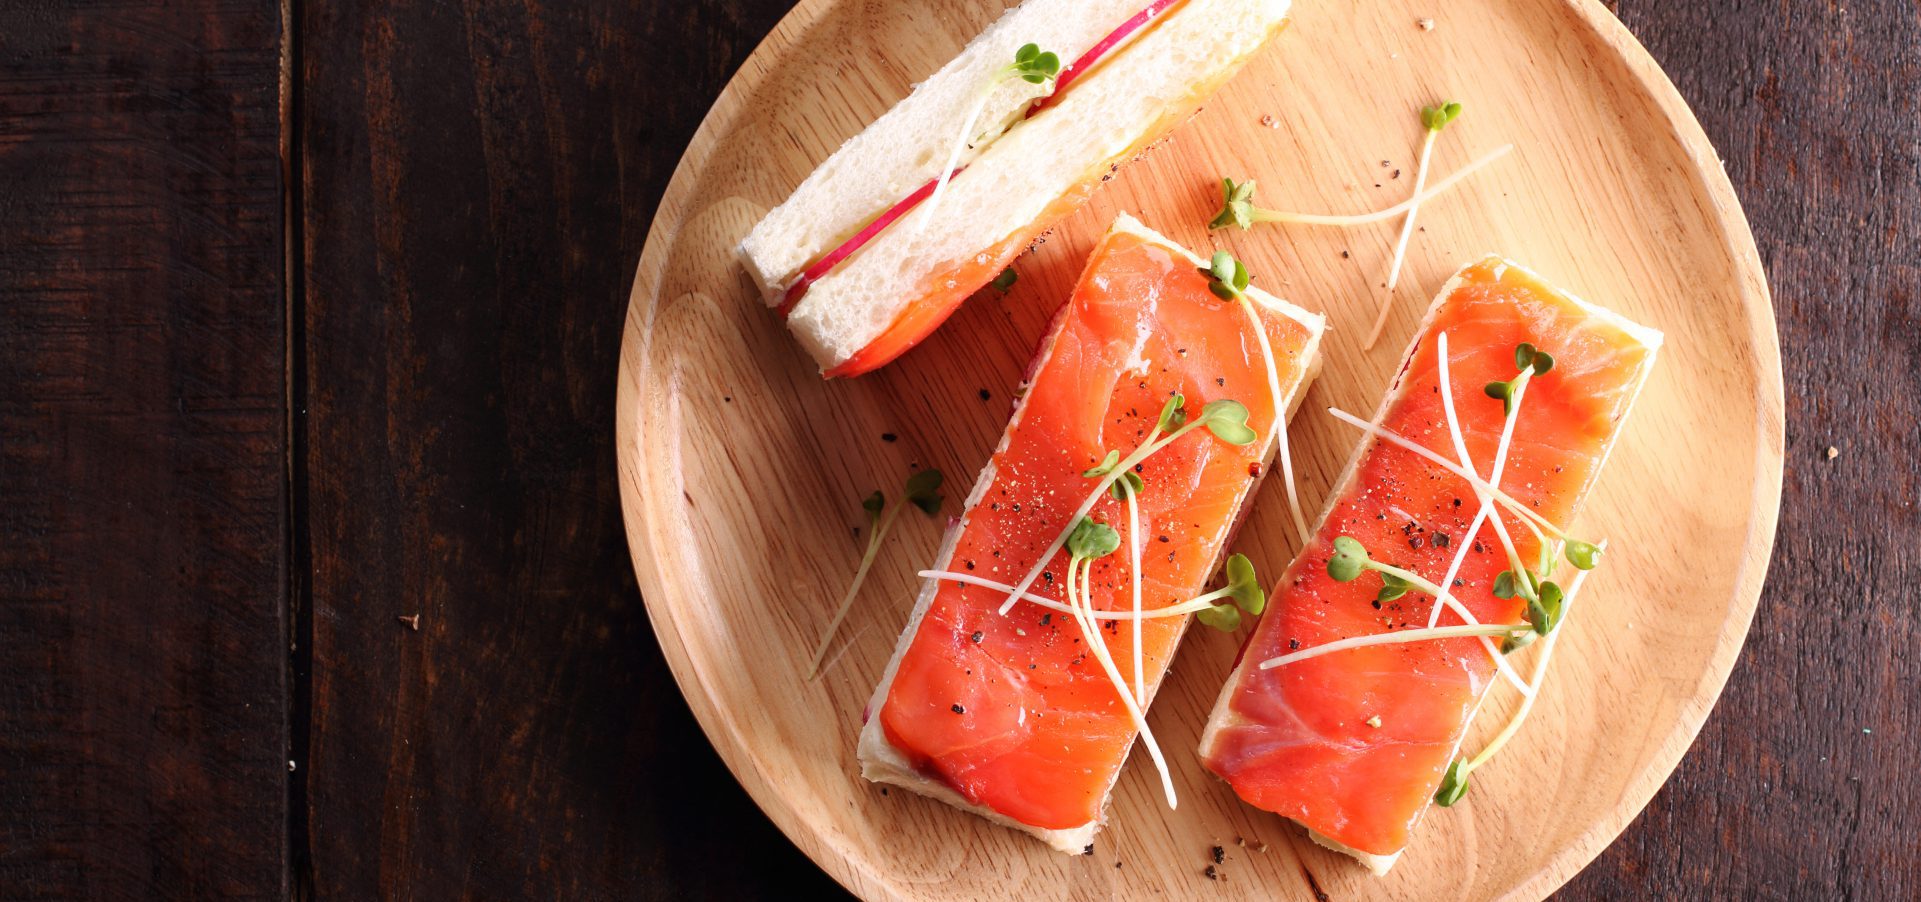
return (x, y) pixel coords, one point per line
(1010, 716)
(1353, 744)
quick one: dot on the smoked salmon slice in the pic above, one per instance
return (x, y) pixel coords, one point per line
(1009, 711)
(1353, 744)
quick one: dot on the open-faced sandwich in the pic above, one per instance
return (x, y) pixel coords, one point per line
(1435, 558)
(1057, 598)
(935, 198)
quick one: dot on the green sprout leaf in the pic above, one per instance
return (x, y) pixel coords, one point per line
(1243, 585)
(1504, 585)
(1227, 278)
(1004, 282)
(1223, 617)
(1453, 784)
(873, 505)
(1173, 413)
(1523, 355)
(1035, 65)
(1091, 540)
(1518, 641)
(1538, 615)
(1392, 587)
(1503, 392)
(1237, 205)
(1127, 483)
(1543, 361)
(1582, 554)
(1438, 116)
(1551, 604)
(923, 490)
(1221, 267)
(1227, 419)
(1350, 558)
(1105, 467)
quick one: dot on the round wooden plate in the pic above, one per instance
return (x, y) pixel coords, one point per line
(742, 471)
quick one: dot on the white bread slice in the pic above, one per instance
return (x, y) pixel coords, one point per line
(880, 761)
(907, 146)
(1223, 714)
(1035, 173)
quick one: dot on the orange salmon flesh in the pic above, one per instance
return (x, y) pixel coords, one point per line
(1013, 713)
(1353, 744)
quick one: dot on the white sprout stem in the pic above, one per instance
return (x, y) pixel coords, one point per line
(1540, 674)
(1407, 227)
(1134, 568)
(860, 576)
(1444, 597)
(1386, 213)
(1442, 365)
(1191, 606)
(1483, 510)
(1104, 483)
(1397, 637)
(1500, 526)
(1395, 438)
(953, 158)
(1083, 607)
(963, 141)
(1280, 420)
(1400, 246)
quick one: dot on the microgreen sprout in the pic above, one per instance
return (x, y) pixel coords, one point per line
(1582, 554)
(1529, 362)
(1032, 65)
(1228, 280)
(1004, 282)
(1398, 637)
(1243, 590)
(1454, 781)
(1350, 559)
(1126, 489)
(1087, 542)
(1226, 419)
(1226, 277)
(1105, 467)
(1036, 66)
(1193, 605)
(1091, 539)
(1238, 207)
(1507, 502)
(922, 490)
(1453, 784)
(1433, 120)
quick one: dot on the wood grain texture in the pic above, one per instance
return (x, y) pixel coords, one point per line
(1801, 785)
(143, 505)
(477, 181)
(1609, 156)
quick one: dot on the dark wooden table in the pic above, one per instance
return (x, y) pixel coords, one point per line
(308, 324)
